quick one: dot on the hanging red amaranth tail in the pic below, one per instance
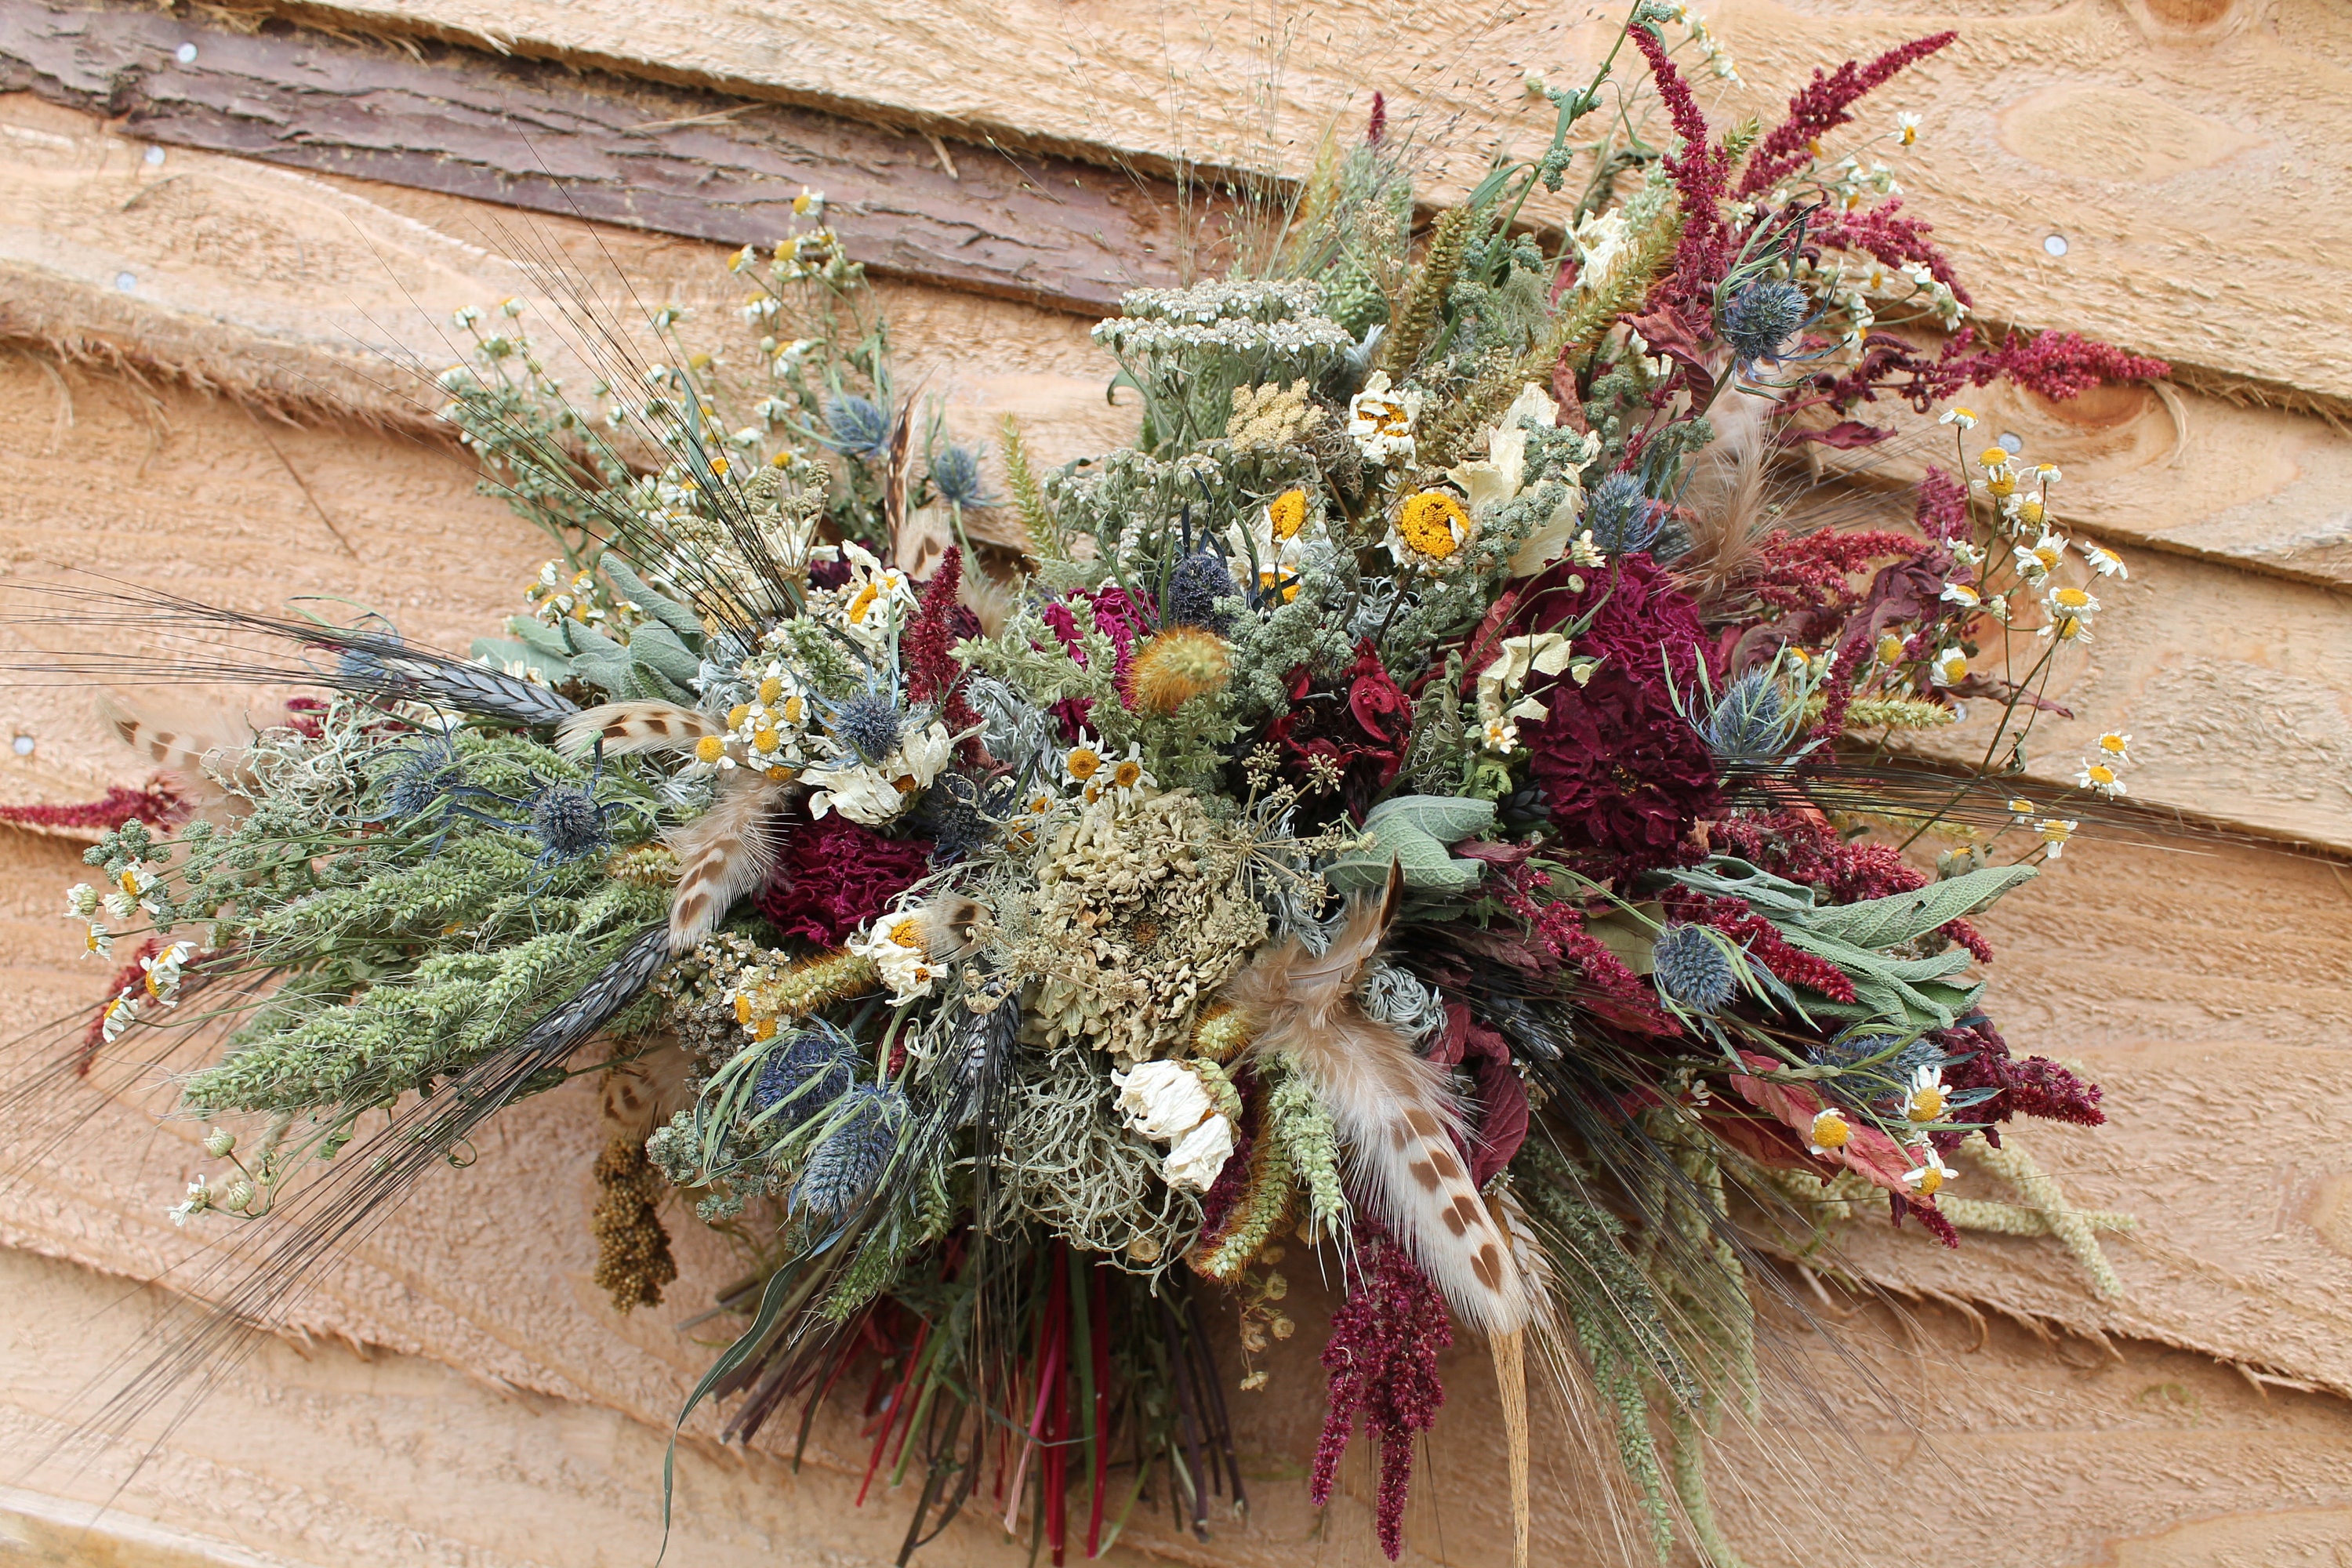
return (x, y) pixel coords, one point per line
(1823, 105)
(158, 802)
(1379, 121)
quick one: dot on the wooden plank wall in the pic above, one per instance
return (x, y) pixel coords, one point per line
(245, 236)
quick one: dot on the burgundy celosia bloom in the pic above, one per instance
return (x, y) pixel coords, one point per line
(1382, 1358)
(1821, 106)
(1360, 724)
(1619, 766)
(833, 875)
(157, 803)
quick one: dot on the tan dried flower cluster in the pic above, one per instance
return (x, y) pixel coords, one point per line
(1272, 415)
(1140, 910)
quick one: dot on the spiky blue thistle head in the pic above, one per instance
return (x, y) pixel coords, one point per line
(1882, 1084)
(844, 1168)
(955, 475)
(1622, 517)
(1760, 319)
(869, 721)
(810, 1071)
(1199, 581)
(567, 822)
(423, 774)
(1754, 722)
(1693, 968)
(858, 427)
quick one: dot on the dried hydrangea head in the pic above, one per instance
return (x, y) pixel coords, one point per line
(1140, 910)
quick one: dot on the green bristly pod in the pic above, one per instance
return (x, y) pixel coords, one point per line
(1257, 1214)
(1298, 1119)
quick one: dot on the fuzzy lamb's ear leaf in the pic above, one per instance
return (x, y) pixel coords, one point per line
(658, 648)
(1885, 922)
(1444, 818)
(1421, 860)
(672, 615)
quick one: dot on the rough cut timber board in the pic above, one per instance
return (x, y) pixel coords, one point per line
(2189, 151)
(543, 136)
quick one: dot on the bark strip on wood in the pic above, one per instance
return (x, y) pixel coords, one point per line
(551, 139)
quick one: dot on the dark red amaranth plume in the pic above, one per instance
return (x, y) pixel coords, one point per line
(1735, 920)
(1378, 127)
(1810, 570)
(158, 802)
(2035, 1087)
(1808, 850)
(1886, 236)
(2057, 365)
(1702, 176)
(1824, 104)
(1382, 1358)
(1943, 511)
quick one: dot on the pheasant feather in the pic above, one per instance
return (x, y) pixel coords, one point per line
(722, 854)
(1397, 1113)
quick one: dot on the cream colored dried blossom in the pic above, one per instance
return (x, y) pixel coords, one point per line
(1140, 909)
(1272, 415)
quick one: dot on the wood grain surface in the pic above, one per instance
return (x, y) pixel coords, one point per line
(551, 139)
(498, 1411)
(2163, 140)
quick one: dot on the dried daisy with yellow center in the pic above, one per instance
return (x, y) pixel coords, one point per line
(1433, 525)
(1083, 763)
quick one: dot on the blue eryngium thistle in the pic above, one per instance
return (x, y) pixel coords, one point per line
(1199, 581)
(955, 475)
(1693, 968)
(813, 1069)
(870, 722)
(567, 823)
(1761, 317)
(1882, 1084)
(1622, 517)
(857, 426)
(844, 1167)
(424, 774)
(1754, 723)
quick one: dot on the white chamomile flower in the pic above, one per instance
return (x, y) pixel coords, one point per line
(2106, 562)
(2099, 776)
(1925, 1100)
(1829, 1132)
(1958, 594)
(1966, 418)
(1949, 667)
(1906, 129)
(2053, 831)
(2116, 746)
(1929, 1176)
